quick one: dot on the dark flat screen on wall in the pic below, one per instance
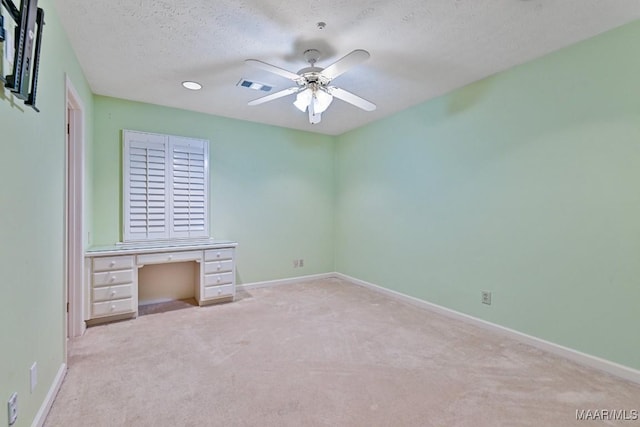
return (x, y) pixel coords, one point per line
(26, 40)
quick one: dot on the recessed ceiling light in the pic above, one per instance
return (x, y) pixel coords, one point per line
(192, 85)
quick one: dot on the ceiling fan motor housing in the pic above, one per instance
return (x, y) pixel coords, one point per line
(313, 75)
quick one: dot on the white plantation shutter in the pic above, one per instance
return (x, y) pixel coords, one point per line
(189, 165)
(145, 178)
(165, 181)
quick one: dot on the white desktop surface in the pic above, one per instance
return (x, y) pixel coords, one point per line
(152, 247)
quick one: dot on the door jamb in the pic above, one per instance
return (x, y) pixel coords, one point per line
(74, 212)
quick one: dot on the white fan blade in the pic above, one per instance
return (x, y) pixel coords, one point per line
(275, 95)
(273, 69)
(349, 97)
(345, 63)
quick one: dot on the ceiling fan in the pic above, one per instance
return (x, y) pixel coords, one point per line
(313, 90)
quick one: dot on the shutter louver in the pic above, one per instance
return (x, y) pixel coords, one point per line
(145, 164)
(189, 159)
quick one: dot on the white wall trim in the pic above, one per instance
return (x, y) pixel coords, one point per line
(74, 211)
(41, 416)
(287, 281)
(595, 362)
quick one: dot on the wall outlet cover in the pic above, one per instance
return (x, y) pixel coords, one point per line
(486, 297)
(33, 376)
(12, 408)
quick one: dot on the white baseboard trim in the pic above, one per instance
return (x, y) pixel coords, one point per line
(41, 416)
(288, 281)
(608, 366)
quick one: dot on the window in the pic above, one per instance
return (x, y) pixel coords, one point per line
(165, 180)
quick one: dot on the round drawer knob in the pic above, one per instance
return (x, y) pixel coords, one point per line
(219, 291)
(112, 263)
(218, 255)
(113, 293)
(219, 279)
(113, 307)
(113, 278)
(219, 267)
(170, 256)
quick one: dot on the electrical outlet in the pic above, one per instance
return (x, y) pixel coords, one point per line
(301, 263)
(33, 375)
(486, 297)
(296, 263)
(12, 408)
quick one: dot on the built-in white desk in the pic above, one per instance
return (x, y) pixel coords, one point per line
(111, 273)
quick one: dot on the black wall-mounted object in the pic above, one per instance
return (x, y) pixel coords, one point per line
(29, 19)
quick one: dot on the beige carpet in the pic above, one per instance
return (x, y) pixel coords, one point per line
(323, 353)
(163, 307)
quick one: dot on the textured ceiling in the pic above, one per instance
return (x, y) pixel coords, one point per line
(143, 49)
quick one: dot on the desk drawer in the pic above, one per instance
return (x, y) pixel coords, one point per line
(113, 263)
(218, 279)
(218, 291)
(164, 257)
(112, 278)
(218, 266)
(107, 293)
(109, 308)
(218, 254)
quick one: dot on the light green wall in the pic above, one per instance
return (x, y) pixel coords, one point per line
(271, 188)
(31, 225)
(524, 184)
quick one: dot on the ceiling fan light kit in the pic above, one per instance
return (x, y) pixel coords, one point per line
(313, 91)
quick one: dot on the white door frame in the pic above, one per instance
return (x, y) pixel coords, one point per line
(74, 211)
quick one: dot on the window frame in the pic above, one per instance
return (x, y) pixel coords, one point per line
(168, 144)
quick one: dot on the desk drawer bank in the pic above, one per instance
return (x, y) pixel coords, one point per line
(111, 275)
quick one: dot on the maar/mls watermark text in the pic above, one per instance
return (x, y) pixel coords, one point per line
(607, 415)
